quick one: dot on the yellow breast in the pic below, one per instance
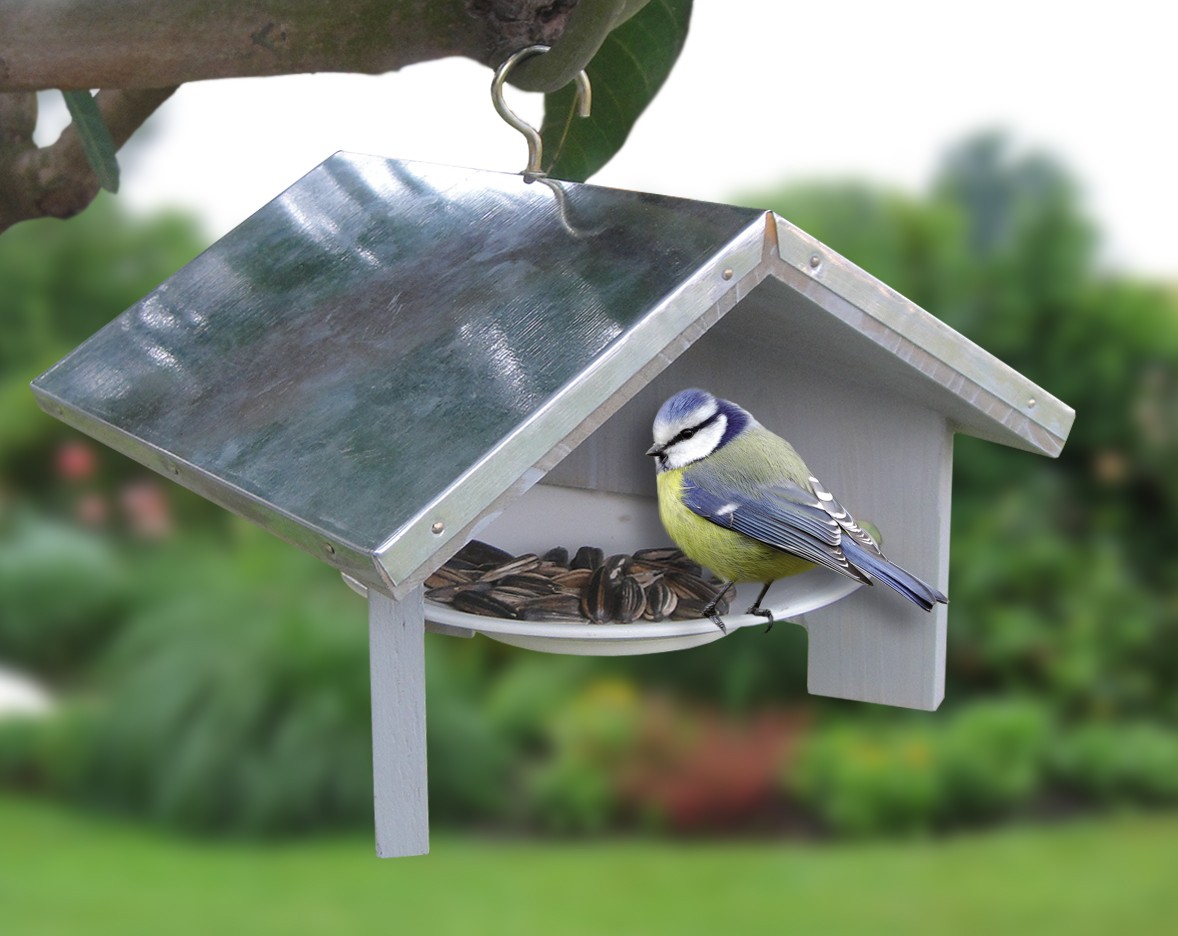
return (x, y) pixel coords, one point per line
(731, 555)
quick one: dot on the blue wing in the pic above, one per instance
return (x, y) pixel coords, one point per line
(806, 522)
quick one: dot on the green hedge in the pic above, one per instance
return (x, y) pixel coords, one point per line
(889, 777)
(63, 593)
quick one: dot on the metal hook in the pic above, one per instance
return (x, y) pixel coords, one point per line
(535, 146)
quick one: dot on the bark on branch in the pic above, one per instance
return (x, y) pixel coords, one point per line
(56, 181)
(138, 51)
(81, 44)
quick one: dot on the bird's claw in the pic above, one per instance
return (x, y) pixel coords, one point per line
(710, 608)
(765, 613)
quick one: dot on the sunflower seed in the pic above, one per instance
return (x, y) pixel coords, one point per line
(688, 609)
(482, 555)
(524, 563)
(660, 601)
(646, 577)
(478, 602)
(558, 555)
(618, 565)
(629, 600)
(588, 557)
(446, 593)
(690, 586)
(658, 554)
(689, 566)
(557, 608)
(530, 582)
(575, 579)
(599, 599)
(513, 595)
(447, 575)
(638, 566)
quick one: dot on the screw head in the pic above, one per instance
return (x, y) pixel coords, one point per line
(728, 273)
(438, 527)
(815, 261)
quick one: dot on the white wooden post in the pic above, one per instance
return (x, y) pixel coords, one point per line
(396, 635)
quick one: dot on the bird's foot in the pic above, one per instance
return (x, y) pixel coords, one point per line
(763, 612)
(710, 607)
(710, 614)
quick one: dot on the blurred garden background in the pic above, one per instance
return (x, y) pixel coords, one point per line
(207, 691)
(205, 734)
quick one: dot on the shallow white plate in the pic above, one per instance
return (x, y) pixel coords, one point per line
(787, 598)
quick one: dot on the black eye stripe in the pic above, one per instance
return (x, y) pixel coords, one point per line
(692, 430)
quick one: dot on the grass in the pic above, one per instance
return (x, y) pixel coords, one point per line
(65, 873)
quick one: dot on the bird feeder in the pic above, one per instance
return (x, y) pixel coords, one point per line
(392, 358)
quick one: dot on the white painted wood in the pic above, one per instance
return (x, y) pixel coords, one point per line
(874, 646)
(886, 455)
(548, 515)
(396, 633)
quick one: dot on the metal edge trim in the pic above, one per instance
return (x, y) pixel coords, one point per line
(1001, 396)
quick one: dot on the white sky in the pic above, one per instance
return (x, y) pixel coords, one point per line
(765, 93)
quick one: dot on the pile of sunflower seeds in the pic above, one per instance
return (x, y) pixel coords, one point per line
(650, 585)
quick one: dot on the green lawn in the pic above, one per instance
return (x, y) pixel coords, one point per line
(61, 872)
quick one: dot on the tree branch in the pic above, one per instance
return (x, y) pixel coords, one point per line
(56, 181)
(83, 44)
(146, 48)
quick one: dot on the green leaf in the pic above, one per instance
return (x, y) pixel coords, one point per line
(626, 73)
(96, 140)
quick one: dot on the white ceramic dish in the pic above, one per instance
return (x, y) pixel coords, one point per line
(788, 598)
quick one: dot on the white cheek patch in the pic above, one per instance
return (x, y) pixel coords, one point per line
(700, 445)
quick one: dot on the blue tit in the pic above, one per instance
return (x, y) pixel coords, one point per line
(739, 500)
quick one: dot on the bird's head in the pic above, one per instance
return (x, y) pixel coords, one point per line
(691, 425)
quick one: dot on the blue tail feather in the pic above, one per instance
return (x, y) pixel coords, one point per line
(918, 592)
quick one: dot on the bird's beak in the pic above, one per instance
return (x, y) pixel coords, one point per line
(655, 450)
